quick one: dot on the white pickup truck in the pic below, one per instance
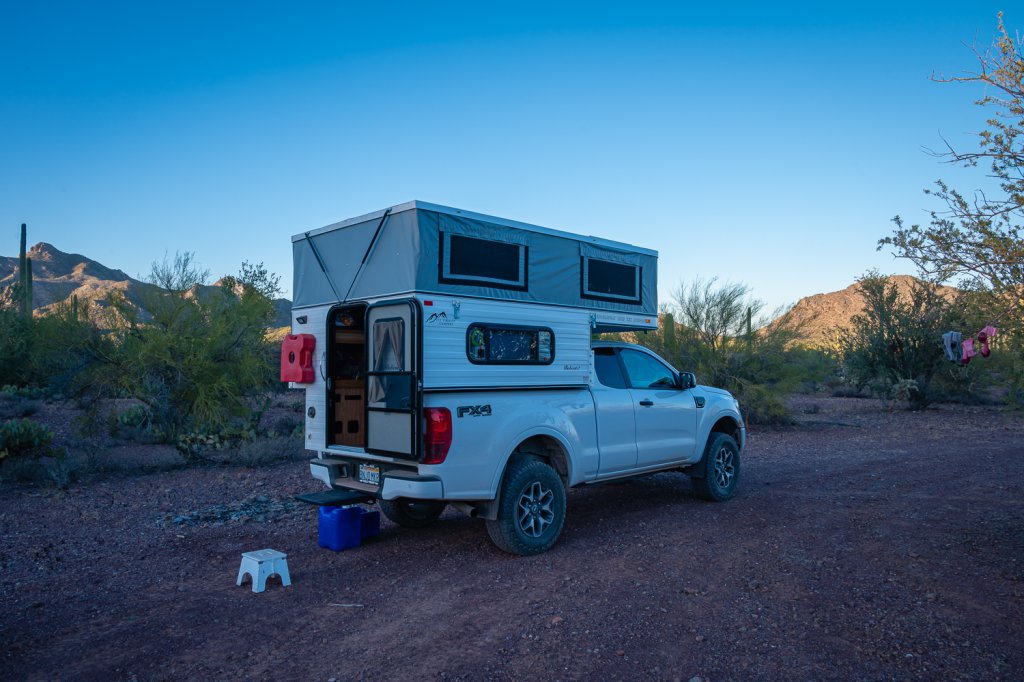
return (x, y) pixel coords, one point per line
(459, 368)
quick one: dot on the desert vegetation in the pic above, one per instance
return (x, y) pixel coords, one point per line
(193, 367)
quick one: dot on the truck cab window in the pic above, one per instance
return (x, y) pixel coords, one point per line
(607, 367)
(645, 371)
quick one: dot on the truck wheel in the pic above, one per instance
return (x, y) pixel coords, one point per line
(412, 513)
(722, 471)
(532, 509)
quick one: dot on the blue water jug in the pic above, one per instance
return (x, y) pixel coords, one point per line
(340, 527)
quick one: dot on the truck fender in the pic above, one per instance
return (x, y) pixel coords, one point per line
(699, 468)
(518, 440)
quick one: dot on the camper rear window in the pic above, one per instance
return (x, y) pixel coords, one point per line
(607, 281)
(509, 345)
(483, 262)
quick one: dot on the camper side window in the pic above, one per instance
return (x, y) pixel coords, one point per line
(603, 280)
(488, 344)
(483, 262)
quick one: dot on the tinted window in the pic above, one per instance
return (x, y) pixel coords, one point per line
(645, 371)
(481, 258)
(607, 367)
(481, 261)
(612, 281)
(497, 344)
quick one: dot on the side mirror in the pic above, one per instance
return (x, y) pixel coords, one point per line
(687, 380)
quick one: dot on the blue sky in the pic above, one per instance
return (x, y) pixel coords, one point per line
(763, 144)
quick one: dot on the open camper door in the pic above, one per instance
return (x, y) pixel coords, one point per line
(392, 378)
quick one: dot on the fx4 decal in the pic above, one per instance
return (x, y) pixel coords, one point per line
(474, 411)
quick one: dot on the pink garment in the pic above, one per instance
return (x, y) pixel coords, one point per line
(984, 336)
(969, 351)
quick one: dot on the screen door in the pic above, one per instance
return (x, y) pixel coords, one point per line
(392, 388)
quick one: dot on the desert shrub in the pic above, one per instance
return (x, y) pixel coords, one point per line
(720, 332)
(201, 354)
(27, 392)
(50, 354)
(21, 438)
(894, 346)
(764, 406)
(135, 417)
(132, 423)
(195, 446)
(61, 471)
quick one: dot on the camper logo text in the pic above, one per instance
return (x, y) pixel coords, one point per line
(440, 320)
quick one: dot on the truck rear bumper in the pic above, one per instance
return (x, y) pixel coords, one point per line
(394, 484)
(413, 488)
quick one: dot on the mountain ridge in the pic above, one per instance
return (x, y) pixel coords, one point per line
(58, 275)
(818, 314)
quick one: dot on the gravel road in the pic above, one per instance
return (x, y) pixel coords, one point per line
(863, 544)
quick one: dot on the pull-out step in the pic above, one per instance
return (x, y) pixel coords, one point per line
(334, 498)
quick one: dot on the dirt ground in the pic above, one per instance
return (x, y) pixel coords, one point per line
(863, 544)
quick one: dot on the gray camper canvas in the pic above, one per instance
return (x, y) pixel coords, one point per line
(426, 248)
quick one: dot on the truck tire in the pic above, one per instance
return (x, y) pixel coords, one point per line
(532, 509)
(412, 513)
(722, 469)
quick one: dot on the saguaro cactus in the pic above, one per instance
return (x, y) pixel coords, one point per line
(750, 326)
(25, 274)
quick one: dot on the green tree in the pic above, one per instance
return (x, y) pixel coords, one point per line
(706, 331)
(198, 361)
(976, 236)
(894, 345)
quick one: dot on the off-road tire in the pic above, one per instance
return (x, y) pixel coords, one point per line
(721, 471)
(412, 513)
(532, 509)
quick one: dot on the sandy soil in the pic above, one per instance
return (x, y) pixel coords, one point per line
(863, 544)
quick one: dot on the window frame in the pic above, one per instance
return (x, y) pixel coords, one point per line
(586, 293)
(617, 361)
(444, 266)
(510, 327)
(629, 380)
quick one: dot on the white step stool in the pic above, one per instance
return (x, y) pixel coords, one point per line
(262, 564)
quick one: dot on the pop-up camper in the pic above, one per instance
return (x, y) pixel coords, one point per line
(438, 346)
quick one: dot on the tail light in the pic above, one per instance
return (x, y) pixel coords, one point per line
(437, 437)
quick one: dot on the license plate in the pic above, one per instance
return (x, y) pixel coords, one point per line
(369, 473)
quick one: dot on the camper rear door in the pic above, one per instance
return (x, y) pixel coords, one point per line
(392, 384)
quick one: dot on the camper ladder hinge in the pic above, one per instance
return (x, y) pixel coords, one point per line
(593, 320)
(456, 306)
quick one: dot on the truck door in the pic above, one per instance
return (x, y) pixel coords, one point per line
(616, 423)
(392, 378)
(666, 417)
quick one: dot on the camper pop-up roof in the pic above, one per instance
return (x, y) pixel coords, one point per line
(426, 248)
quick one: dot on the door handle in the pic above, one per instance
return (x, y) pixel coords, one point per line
(647, 403)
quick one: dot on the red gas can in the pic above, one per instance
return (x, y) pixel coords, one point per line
(297, 358)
